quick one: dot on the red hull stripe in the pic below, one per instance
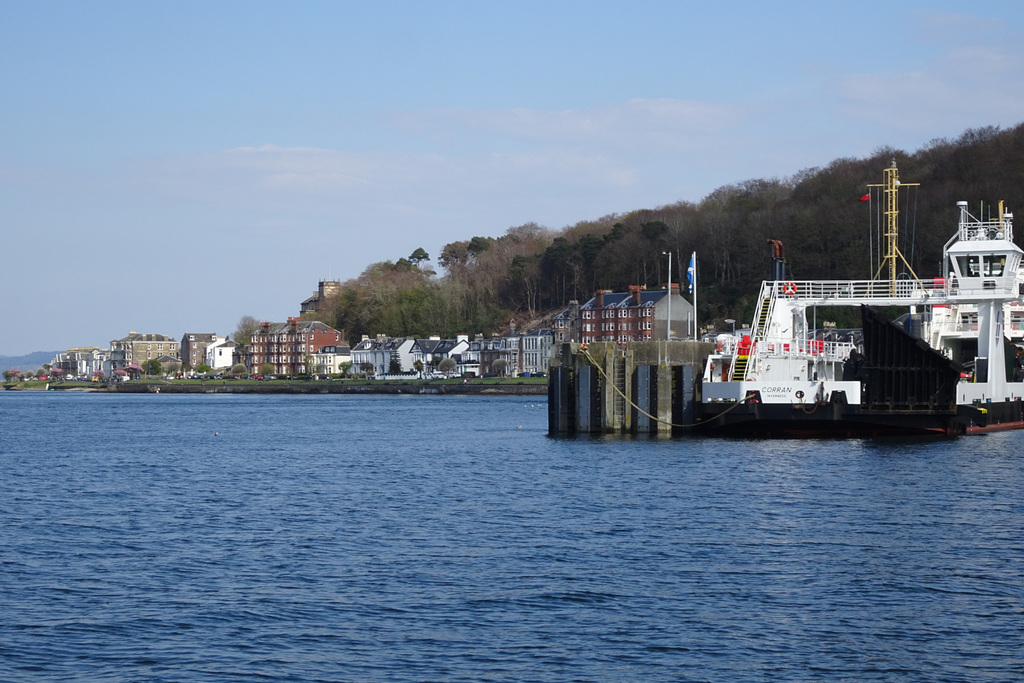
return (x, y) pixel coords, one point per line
(996, 427)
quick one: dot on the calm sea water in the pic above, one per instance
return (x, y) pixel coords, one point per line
(333, 538)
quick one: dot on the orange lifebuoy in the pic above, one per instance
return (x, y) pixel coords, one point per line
(789, 288)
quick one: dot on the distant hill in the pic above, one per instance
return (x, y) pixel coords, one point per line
(827, 217)
(27, 363)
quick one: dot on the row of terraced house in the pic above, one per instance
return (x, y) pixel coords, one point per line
(301, 346)
(308, 346)
(527, 353)
(138, 349)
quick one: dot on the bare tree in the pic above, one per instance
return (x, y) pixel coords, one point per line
(247, 326)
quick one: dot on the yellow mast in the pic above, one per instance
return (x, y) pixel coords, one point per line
(891, 183)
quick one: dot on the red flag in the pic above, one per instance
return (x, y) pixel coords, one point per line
(866, 197)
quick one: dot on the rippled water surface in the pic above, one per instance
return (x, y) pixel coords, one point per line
(334, 538)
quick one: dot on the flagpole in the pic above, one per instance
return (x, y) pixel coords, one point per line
(668, 326)
(692, 274)
(695, 333)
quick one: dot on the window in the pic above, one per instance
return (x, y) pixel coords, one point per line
(993, 265)
(968, 265)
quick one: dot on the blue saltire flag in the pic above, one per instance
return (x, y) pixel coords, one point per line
(690, 271)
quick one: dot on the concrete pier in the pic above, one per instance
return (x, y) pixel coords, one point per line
(638, 388)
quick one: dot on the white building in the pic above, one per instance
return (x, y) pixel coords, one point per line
(220, 354)
(329, 359)
(538, 347)
(432, 351)
(83, 361)
(373, 355)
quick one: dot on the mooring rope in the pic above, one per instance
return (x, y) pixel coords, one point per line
(608, 379)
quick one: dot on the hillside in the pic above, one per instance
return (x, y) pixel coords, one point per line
(487, 283)
(27, 363)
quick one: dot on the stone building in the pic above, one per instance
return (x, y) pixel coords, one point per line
(325, 290)
(193, 348)
(139, 349)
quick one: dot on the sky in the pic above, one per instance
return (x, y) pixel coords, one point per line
(171, 167)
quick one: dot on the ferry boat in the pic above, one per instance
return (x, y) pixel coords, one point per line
(950, 366)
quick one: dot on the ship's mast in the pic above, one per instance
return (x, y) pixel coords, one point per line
(891, 183)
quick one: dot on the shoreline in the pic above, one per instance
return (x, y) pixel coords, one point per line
(512, 388)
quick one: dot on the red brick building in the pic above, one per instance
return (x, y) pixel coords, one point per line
(288, 346)
(636, 315)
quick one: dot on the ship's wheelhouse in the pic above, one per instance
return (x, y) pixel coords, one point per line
(978, 266)
(982, 256)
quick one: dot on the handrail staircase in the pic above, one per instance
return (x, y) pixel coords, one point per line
(758, 333)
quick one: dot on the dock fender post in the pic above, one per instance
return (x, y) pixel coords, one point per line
(561, 401)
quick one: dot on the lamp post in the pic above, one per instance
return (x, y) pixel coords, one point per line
(668, 324)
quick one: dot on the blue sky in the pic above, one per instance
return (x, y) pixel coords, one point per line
(171, 167)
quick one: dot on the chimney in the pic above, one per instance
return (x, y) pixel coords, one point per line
(599, 299)
(675, 289)
(634, 293)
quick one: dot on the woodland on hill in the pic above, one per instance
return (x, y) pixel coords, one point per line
(531, 272)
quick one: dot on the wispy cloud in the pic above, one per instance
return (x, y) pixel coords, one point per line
(509, 152)
(635, 124)
(975, 79)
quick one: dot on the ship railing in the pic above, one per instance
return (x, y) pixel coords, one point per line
(955, 327)
(726, 345)
(969, 324)
(783, 347)
(762, 314)
(804, 348)
(986, 230)
(853, 290)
